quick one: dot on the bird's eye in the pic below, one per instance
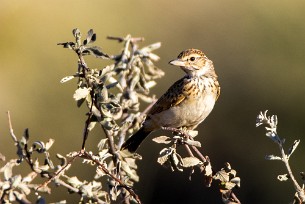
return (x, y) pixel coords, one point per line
(192, 59)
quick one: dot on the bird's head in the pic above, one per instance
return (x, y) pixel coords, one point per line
(193, 62)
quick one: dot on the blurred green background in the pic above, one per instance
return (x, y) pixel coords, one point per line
(258, 50)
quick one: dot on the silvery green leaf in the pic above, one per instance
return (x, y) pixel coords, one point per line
(107, 69)
(153, 57)
(49, 144)
(102, 143)
(16, 180)
(293, 147)
(39, 146)
(7, 169)
(91, 37)
(135, 80)
(228, 185)
(236, 181)
(96, 52)
(190, 161)
(193, 143)
(147, 99)
(65, 79)
(208, 169)
(176, 161)
(164, 155)
(24, 188)
(131, 173)
(151, 47)
(5, 185)
(150, 84)
(222, 176)
(76, 32)
(69, 45)
(74, 181)
(62, 159)
(112, 80)
(283, 177)
(272, 157)
(81, 93)
(29, 178)
(91, 125)
(162, 139)
(104, 154)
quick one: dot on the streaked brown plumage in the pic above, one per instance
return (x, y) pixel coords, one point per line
(186, 103)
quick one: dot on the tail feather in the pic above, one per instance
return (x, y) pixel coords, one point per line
(135, 140)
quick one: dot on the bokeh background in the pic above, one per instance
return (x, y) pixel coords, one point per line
(258, 48)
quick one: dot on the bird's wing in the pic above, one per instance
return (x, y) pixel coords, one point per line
(172, 97)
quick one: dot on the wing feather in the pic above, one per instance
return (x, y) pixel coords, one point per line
(176, 94)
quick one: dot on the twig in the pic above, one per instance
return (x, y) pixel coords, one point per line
(188, 150)
(106, 171)
(199, 154)
(297, 187)
(60, 170)
(11, 128)
(233, 196)
(86, 130)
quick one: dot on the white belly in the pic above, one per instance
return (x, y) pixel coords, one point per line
(187, 114)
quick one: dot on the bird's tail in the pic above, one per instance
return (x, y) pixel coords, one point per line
(135, 140)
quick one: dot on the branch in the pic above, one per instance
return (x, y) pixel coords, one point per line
(107, 172)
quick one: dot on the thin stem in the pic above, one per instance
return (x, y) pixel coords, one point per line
(11, 128)
(106, 171)
(86, 130)
(297, 187)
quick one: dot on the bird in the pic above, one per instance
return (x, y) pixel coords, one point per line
(186, 103)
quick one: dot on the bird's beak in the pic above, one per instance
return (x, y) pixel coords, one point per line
(177, 62)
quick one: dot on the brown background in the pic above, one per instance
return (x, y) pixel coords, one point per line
(258, 49)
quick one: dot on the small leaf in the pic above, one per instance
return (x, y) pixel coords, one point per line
(192, 133)
(81, 93)
(151, 47)
(283, 177)
(208, 169)
(131, 173)
(16, 180)
(39, 146)
(91, 37)
(293, 147)
(62, 159)
(29, 178)
(190, 161)
(164, 155)
(176, 161)
(24, 188)
(162, 139)
(102, 143)
(150, 84)
(49, 144)
(91, 125)
(272, 157)
(74, 182)
(222, 176)
(76, 32)
(96, 52)
(236, 180)
(8, 170)
(69, 45)
(228, 185)
(65, 79)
